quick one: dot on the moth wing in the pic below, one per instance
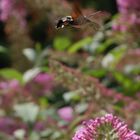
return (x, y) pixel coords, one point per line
(95, 26)
(92, 26)
(76, 12)
(98, 17)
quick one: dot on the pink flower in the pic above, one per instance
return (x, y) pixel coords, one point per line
(108, 126)
(41, 84)
(129, 15)
(6, 7)
(10, 86)
(125, 5)
(9, 91)
(44, 80)
(14, 84)
(66, 113)
(13, 8)
(8, 125)
(39, 126)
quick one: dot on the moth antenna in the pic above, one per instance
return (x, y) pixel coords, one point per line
(93, 14)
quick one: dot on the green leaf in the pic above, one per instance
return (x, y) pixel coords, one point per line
(137, 124)
(96, 73)
(77, 46)
(72, 95)
(43, 102)
(101, 48)
(123, 79)
(3, 49)
(113, 57)
(119, 51)
(30, 74)
(11, 74)
(30, 54)
(38, 48)
(34, 136)
(134, 69)
(27, 111)
(129, 85)
(81, 107)
(61, 43)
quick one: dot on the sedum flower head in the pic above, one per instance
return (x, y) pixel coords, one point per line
(129, 15)
(108, 127)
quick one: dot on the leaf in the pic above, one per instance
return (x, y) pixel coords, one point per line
(56, 135)
(95, 73)
(133, 69)
(80, 44)
(123, 79)
(81, 108)
(30, 74)
(61, 43)
(111, 59)
(72, 95)
(101, 48)
(137, 125)
(3, 49)
(27, 111)
(19, 134)
(11, 74)
(34, 136)
(43, 102)
(30, 54)
(129, 85)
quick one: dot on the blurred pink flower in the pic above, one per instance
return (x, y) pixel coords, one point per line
(41, 84)
(9, 91)
(8, 125)
(125, 5)
(6, 7)
(39, 126)
(3, 85)
(45, 81)
(66, 113)
(14, 84)
(13, 8)
(10, 86)
(129, 14)
(108, 126)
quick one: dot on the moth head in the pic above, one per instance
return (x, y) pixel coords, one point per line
(69, 18)
(61, 23)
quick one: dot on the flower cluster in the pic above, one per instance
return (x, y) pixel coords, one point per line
(9, 125)
(129, 14)
(128, 5)
(12, 91)
(108, 126)
(41, 84)
(12, 85)
(9, 89)
(12, 8)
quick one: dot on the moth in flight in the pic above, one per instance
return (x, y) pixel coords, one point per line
(78, 20)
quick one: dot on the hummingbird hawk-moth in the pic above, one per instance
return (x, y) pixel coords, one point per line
(79, 20)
